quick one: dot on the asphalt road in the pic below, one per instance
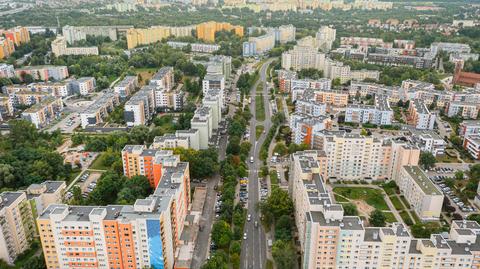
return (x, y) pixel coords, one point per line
(254, 248)
(203, 238)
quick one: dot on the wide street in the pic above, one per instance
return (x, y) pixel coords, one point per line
(254, 248)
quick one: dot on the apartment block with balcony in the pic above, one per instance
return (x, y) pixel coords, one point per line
(379, 114)
(305, 127)
(46, 193)
(329, 239)
(84, 86)
(41, 114)
(206, 31)
(465, 110)
(420, 116)
(303, 57)
(468, 127)
(18, 35)
(17, 227)
(422, 194)
(471, 143)
(146, 234)
(7, 71)
(45, 72)
(126, 87)
(7, 47)
(140, 108)
(429, 141)
(97, 112)
(259, 45)
(59, 48)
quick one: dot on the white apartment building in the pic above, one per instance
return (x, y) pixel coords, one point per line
(46, 193)
(98, 111)
(334, 69)
(310, 107)
(325, 37)
(466, 110)
(471, 143)
(164, 78)
(59, 48)
(193, 136)
(420, 116)
(141, 107)
(170, 141)
(203, 122)
(84, 86)
(7, 71)
(195, 47)
(422, 194)
(17, 227)
(306, 127)
(379, 114)
(214, 82)
(41, 114)
(329, 239)
(303, 57)
(468, 127)
(429, 141)
(126, 87)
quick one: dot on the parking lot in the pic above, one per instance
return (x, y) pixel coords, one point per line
(439, 175)
(87, 183)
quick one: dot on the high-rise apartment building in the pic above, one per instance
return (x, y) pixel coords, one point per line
(329, 239)
(206, 31)
(19, 35)
(145, 235)
(17, 227)
(259, 45)
(7, 47)
(325, 37)
(303, 57)
(420, 116)
(44, 72)
(59, 48)
(380, 113)
(138, 37)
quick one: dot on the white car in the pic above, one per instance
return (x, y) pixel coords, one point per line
(245, 236)
(249, 218)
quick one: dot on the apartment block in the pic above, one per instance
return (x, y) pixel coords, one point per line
(43, 72)
(41, 114)
(468, 127)
(429, 141)
(351, 156)
(305, 127)
(310, 107)
(220, 64)
(259, 45)
(471, 143)
(303, 57)
(379, 114)
(59, 48)
(203, 122)
(195, 47)
(325, 37)
(78, 33)
(84, 86)
(18, 35)
(364, 42)
(147, 234)
(138, 37)
(288, 80)
(332, 97)
(5, 109)
(55, 89)
(421, 193)
(164, 78)
(334, 70)
(25, 98)
(170, 141)
(465, 110)
(283, 33)
(420, 116)
(17, 227)
(214, 82)
(7, 47)
(206, 31)
(140, 108)
(436, 47)
(7, 71)
(46, 193)
(393, 94)
(329, 239)
(126, 87)
(97, 112)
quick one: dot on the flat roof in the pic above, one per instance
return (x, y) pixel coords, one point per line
(422, 180)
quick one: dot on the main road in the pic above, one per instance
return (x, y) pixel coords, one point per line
(254, 248)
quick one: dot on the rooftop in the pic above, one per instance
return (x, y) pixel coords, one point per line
(422, 180)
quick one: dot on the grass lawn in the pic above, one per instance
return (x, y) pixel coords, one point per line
(389, 191)
(273, 177)
(405, 202)
(372, 197)
(97, 164)
(279, 103)
(406, 218)
(396, 203)
(445, 158)
(258, 131)
(340, 199)
(73, 175)
(259, 108)
(269, 264)
(415, 217)
(390, 217)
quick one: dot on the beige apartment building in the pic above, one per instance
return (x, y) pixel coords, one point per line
(352, 156)
(424, 196)
(329, 239)
(17, 227)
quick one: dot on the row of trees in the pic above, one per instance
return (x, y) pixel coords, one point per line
(227, 232)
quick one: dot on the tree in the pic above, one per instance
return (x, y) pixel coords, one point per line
(283, 228)
(350, 210)
(107, 189)
(276, 205)
(137, 187)
(377, 218)
(459, 175)
(6, 175)
(427, 160)
(284, 254)
(221, 234)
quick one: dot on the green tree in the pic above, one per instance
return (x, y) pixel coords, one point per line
(284, 254)
(377, 218)
(276, 205)
(107, 189)
(283, 228)
(350, 209)
(221, 234)
(427, 160)
(459, 175)
(137, 187)
(7, 176)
